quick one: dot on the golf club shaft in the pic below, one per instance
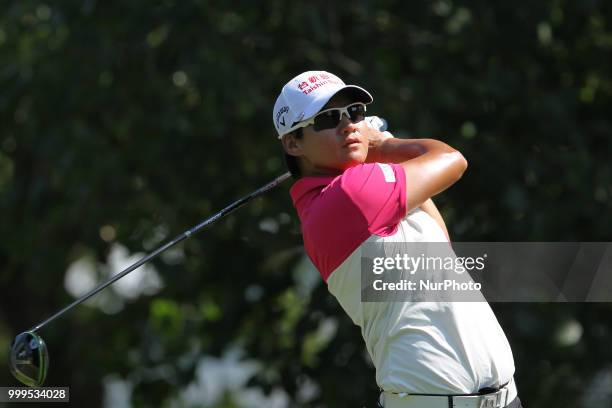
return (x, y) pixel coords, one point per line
(184, 235)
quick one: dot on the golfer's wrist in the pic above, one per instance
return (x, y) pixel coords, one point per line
(376, 152)
(386, 135)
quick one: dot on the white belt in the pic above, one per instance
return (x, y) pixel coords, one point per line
(498, 399)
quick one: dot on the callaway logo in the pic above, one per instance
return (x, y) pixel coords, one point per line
(279, 120)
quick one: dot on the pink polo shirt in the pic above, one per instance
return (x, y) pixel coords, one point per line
(338, 213)
(416, 347)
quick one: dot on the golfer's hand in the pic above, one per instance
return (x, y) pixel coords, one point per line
(375, 140)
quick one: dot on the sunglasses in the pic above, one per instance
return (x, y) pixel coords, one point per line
(330, 118)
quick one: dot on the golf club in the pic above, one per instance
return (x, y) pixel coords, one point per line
(29, 358)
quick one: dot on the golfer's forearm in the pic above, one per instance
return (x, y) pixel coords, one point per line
(399, 150)
(430, 208)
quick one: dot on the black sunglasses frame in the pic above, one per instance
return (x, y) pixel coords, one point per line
(330, 118)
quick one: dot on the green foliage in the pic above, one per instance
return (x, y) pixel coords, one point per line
(127, 122)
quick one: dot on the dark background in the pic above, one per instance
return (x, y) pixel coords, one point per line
(126, 122)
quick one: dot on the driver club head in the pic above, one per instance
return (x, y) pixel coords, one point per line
(29, 359)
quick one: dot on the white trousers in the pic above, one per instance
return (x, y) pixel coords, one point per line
(498, 399)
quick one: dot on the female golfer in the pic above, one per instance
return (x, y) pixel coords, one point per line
(356, 185)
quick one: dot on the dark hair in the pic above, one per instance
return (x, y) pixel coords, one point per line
(292, 161)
